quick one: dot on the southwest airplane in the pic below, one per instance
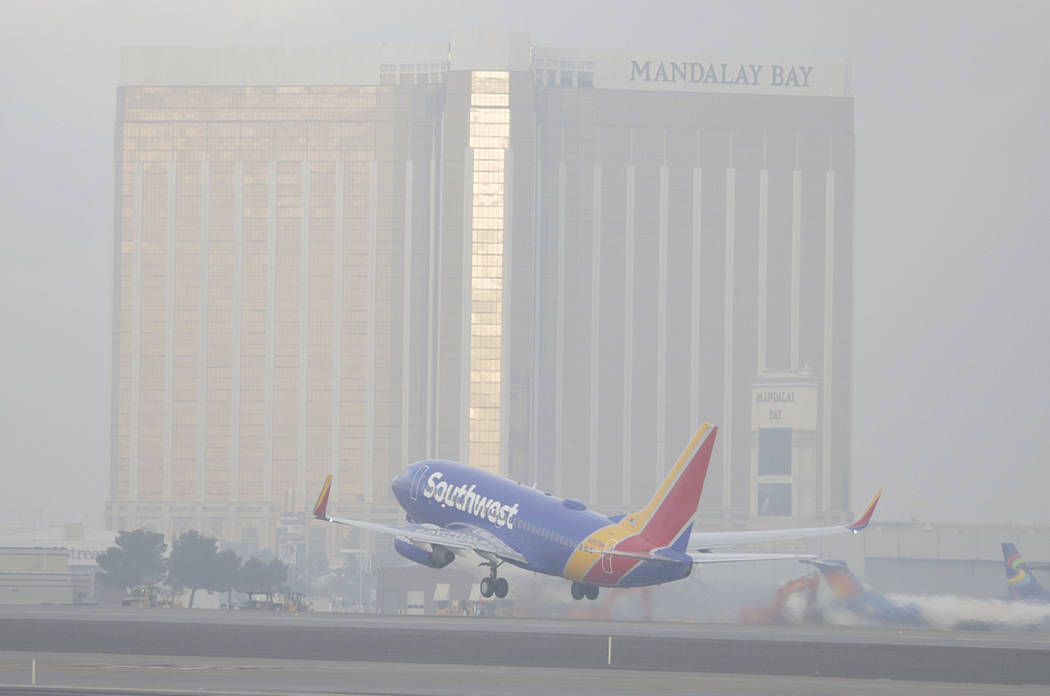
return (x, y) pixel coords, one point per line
(453, 509)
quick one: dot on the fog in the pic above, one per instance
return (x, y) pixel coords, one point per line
(952, 293)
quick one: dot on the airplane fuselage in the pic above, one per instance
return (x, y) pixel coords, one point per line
(556, 536)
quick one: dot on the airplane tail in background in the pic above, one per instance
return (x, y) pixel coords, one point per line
(321, 506)
(840, 579)
(1022, 584)
(668, 515)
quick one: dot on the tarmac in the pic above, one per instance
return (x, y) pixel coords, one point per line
(182, 651)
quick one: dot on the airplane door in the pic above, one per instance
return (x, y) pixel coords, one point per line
(607, 565)
(418, 481)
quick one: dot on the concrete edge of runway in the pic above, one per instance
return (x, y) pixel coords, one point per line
(961, 659)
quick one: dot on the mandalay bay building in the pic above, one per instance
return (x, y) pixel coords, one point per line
(549, 263)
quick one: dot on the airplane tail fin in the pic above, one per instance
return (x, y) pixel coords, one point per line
(681, 544)
(663, 521)
(321, 506)
(1022, 584)
(840, 579)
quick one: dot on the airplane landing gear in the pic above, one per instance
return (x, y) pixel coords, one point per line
(494, 585)
(580, 590)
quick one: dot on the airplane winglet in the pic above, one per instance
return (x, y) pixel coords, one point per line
(321, 506)
(864, 519)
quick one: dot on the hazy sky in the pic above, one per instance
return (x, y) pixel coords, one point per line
(952, 268)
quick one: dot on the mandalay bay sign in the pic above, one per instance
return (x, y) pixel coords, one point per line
(703, 74)
(722, 73)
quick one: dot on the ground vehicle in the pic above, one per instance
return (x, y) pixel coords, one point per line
(295, 601)
(292, 601)
(258, 600)
(140, 596)
(149, 596)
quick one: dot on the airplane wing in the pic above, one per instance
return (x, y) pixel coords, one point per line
(464, 538)
(706, 556)
(704, 541)
(709, 557)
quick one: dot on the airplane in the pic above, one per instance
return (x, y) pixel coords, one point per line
(853, 600)
(1019, 580)
(454, 509)
(856, 598)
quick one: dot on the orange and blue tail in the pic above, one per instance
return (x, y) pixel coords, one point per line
(1022, 584)
(855, 597)
(840, 579)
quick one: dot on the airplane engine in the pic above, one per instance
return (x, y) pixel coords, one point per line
(437, 557)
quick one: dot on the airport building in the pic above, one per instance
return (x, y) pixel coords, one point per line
(546, 262)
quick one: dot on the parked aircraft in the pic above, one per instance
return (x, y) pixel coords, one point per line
(1021, 583)
(853, 602)
(856, 598)
(454, 509)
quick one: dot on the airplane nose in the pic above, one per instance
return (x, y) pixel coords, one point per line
(402, 481)
(402, 477)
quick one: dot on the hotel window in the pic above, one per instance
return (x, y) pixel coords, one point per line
(774, 451)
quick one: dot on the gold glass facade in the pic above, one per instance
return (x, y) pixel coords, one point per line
(258, 282)
(489, 140)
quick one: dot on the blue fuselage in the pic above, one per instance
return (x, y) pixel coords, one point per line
(544, 529)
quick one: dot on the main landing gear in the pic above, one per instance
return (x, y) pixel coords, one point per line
(580, 590)
(493, 585)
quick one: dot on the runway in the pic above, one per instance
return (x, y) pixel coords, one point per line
(73, 674)
(325, 653)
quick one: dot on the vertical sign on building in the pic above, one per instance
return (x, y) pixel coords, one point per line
(784, 453)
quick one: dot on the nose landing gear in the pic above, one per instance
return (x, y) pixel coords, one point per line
(494, 585)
